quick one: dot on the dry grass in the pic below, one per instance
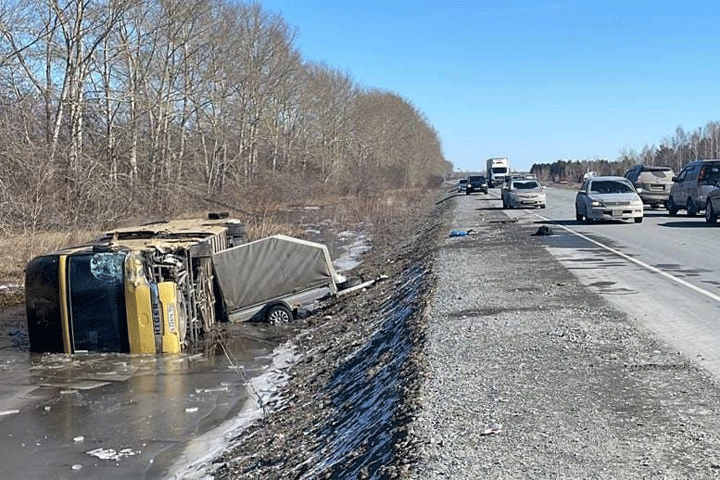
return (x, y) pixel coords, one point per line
(18, 249)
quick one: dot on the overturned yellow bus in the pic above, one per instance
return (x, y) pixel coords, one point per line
(158, 288)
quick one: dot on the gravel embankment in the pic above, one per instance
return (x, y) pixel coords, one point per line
(527, 374)
(344, 411)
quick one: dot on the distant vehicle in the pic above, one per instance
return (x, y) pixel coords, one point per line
(462, 183)
(692, 186)
(712, 205)
(608, 198)
(497, 169)
(653, 183)
(514, 175)
(523, 193)
(476, 183)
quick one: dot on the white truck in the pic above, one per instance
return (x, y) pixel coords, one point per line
(497, 169)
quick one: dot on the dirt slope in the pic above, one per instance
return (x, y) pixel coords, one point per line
(349, 400)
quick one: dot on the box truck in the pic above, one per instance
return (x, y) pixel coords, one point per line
(497, 169)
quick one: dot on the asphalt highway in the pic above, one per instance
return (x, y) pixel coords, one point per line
(663, 272)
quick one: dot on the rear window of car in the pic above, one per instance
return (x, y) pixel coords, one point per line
(657, 174)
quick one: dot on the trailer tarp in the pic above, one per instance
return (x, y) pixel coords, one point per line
(271, 268)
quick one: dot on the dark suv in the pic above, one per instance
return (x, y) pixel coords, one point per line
(476, 183)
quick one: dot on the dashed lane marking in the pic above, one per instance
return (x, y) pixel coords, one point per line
(642, 264)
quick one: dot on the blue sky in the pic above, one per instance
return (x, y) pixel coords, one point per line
(532, 81)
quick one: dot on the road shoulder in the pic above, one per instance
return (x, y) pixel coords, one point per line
(529, 374)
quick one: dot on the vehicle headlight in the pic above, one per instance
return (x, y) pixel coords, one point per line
(597, 203)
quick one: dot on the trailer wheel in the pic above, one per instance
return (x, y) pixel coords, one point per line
(278, 314)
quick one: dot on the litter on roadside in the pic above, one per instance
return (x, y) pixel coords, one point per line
(462, 233)
(492, 428)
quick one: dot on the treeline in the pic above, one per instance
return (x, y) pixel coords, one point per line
(121, 108)
(675, 152)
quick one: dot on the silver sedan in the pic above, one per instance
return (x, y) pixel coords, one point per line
(608, 198)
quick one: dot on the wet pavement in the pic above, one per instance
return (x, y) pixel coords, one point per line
(126, 416)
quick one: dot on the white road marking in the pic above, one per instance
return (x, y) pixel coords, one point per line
(644, 265)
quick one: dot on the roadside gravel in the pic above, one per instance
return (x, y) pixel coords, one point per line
(527, 374)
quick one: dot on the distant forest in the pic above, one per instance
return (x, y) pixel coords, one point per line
(673, 152)
(122, 108)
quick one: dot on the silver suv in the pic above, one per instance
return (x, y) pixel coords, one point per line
(653, 183)
(692, 186)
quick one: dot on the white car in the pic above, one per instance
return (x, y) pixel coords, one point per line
(608, 198)
(523, 193)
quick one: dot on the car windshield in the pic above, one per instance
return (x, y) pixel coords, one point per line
(610, 186)
(525, 185)
(477, 179)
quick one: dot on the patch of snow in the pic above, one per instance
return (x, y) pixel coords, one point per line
(212, 390)
(112, 454)
(349, 259)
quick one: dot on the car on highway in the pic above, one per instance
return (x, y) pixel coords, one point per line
(523, 193)
(692, 186)
(653, 183)
(476, 183)
(462, 183)
(608, 198)
(513, 176)
(712, 205)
